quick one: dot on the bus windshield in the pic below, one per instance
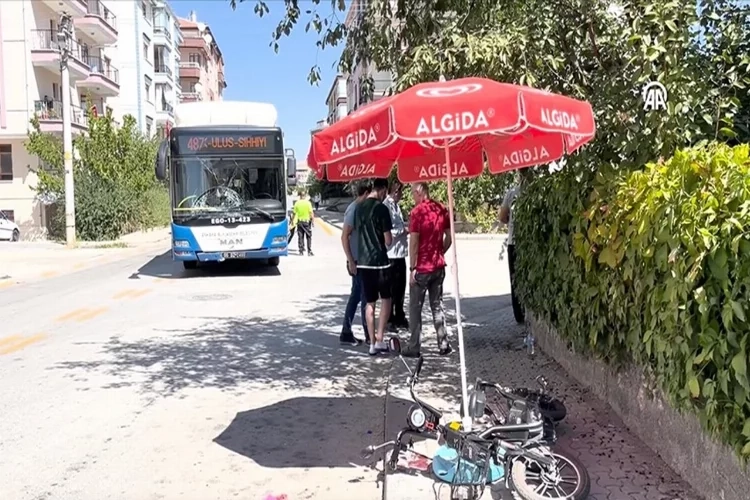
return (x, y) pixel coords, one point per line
(203, 184)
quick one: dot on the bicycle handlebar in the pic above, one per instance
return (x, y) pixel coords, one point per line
(418, 369)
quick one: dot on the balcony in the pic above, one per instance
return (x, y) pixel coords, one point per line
(194, 42)
(104, 79)
(166, 108)
(190, 70)
(99, 23)
(76, 8)
(160, 30)
(45, 53)
(190, 97)
(162, 70)
(49, 114)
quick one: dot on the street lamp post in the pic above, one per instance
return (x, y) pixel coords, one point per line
(64, 42)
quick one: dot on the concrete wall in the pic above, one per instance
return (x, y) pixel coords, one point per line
(711, 468)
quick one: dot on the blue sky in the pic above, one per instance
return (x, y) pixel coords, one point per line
(255, 73)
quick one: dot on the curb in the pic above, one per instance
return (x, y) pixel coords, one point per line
(459, 236)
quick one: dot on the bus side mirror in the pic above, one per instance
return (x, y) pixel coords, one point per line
(161, 160)
(291, 167)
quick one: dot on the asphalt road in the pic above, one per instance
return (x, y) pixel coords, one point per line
(137, 380)
(134, 380)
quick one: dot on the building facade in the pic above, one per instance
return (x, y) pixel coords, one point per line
(382, 81)
(201, 63)
(30, 87)
(135, 54)
(167, 40)
(337, 99)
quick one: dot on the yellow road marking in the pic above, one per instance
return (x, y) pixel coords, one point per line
(130, 294)
(72, 314)
(49, 274)
(23, 342)
(326, 227)
(79, 265)
(93, 313)
(5, 284)
(10, 340)
(122, 294)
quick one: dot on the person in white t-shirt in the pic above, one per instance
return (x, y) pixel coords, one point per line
(506, 217)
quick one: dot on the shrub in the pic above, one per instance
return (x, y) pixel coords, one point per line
(154, 209)
(651, 266)
(104, 208)
(116, 190)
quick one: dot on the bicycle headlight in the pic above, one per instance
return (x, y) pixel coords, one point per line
(416, 418)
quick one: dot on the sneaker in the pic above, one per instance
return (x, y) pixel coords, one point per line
(381, 346)
(444, 351)
(349, 339)
(373, 351)
(310, 254)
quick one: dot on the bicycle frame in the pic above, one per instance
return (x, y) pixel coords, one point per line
(489, 435)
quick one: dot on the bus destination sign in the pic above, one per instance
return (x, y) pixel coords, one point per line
(230, 143)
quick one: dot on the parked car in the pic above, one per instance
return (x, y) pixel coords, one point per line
(9, 229)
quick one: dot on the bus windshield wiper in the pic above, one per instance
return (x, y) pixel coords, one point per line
(259, 211)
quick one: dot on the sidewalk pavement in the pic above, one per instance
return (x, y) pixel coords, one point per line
(24, 262)
(621, 467)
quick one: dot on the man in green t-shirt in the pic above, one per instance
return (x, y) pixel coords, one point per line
(303, 213)
(372, 221)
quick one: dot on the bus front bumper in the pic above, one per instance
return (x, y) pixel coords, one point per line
(183, 254)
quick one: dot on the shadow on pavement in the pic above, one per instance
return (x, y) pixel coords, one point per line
(309, 432)
(228, 353)
(162, 266)
(616, 460)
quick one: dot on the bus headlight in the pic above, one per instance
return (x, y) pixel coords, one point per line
(181, 244)
(278, 240)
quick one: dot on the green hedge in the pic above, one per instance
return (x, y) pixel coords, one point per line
(652, 267)
(105, 210)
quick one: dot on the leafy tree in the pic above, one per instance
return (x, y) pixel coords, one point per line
(116, 189)
(587, 49)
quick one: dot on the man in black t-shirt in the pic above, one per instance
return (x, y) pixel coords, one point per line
(373, 224)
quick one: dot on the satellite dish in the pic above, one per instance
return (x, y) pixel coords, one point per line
(198, 87)
(208, 38)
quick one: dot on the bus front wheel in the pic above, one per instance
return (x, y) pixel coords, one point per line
(273, 261)
(189, 264)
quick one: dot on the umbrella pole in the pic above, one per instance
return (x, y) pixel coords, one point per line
(457, 297)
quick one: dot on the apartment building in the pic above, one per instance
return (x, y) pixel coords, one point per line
(337, 99)
(382, 80)
(135, 53)
(167, 40)
(30, 86)
(201, 63)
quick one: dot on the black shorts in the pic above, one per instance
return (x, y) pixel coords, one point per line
(376, 283)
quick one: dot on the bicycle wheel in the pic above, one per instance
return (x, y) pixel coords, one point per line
(533, 482)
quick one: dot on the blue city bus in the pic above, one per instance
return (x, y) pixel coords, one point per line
(227, 172)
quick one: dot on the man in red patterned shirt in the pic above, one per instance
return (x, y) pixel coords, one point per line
(429, 239)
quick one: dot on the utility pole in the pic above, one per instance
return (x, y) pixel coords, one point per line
(64, 41)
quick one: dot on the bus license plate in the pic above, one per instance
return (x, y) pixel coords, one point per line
(233, 255)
